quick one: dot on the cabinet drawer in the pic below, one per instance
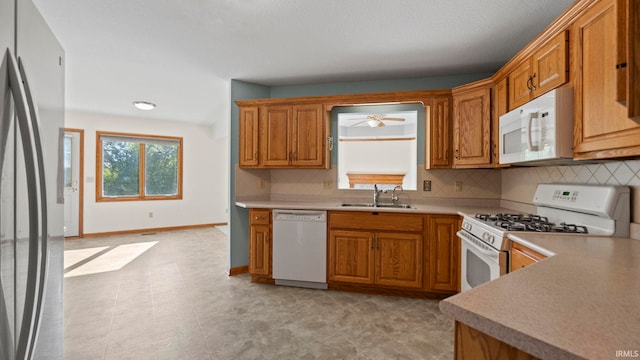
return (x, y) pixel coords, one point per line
(522, 256)
(375, 221)
(259, 216)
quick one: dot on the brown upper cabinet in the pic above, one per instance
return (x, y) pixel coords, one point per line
(603, 128)
(249, 136)
(438, 134)
(292, 136)
(472, 125)
(545, 70)
(283, 136)
(500, 106)
(628, 57)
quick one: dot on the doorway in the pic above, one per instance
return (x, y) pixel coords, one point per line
(73, 185)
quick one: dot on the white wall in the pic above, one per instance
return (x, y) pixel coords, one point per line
(369, 157)
(205, 176)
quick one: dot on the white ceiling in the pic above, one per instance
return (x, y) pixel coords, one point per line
(182, 54)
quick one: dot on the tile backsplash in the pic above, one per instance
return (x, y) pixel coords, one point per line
(519, 183)
(314, 182)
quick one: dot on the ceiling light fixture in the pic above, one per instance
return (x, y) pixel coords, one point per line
(144, 105)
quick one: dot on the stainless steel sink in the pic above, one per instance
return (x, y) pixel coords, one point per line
(398, 206)
(357, 205)
(383, 205)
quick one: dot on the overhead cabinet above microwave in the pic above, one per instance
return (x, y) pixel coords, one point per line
(546, 69)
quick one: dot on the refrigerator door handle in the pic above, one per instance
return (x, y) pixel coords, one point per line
(26, 339)
(44, 251)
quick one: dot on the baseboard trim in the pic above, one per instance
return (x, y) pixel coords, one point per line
(148, 230)
(238, 270)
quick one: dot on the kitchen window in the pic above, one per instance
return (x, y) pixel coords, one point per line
(133, 167)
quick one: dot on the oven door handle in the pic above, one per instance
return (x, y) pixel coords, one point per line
(478, 245)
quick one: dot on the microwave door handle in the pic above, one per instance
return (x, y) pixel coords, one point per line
(532, 147)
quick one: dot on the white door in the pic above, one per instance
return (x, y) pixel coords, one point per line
(71, 183)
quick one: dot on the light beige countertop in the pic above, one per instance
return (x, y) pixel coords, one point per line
(457, 207)
(581, 302)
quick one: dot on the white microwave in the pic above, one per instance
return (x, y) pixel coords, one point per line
(540, 131)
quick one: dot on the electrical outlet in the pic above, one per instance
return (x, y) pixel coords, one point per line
(150, 214)
(261, 184)
(458, 186)
(426, 185)
(327, 184)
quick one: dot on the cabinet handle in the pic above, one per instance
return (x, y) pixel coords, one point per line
(532, 84)
(529, 80)
(621, 66)
(456, 154)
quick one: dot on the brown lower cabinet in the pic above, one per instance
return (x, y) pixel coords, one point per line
(394, 253)
(473, 344)
(379, 252)
(444, 253)
(383, 258)
(522, 256)
(260, 248)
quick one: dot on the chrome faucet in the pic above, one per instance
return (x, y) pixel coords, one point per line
(376, 194)
(394, 197)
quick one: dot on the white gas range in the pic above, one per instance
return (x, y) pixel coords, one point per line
(560, 208)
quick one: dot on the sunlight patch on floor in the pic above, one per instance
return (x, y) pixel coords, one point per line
(112, 260)
(72, 257)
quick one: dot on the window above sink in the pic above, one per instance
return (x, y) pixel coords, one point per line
(378, 144)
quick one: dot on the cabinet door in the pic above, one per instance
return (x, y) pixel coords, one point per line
(351, 256)
(248, 136)
(500, 103)
(629, 55)
(444, 253)
(307, 136)
(398, 259)
(259, 250)
(602, 128)
(275, 122)
(550, 65)
(439, 135)
(472, 128)
(520, 85)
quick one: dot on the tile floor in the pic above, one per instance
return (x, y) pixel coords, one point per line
(174, 301)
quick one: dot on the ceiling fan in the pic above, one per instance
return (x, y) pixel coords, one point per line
(376, 120)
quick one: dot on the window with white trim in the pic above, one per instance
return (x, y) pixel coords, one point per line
(138, 167)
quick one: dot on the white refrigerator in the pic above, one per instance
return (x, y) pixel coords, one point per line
(31, 180)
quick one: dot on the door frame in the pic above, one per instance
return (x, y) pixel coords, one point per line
(80, 184)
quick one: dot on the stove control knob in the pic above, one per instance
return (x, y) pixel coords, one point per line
(466, 226)
(488, 238)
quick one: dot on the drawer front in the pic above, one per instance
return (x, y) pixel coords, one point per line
(375, 221)
(259, 216)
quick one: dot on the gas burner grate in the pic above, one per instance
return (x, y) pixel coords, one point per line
(530, 222)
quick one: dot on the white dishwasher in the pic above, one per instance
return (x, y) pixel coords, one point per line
(300, 248)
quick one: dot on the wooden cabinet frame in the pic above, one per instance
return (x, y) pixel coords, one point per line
(472, 125)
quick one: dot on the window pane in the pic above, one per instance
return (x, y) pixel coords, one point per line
(67, 161)
(161, 169)
(120, 173)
